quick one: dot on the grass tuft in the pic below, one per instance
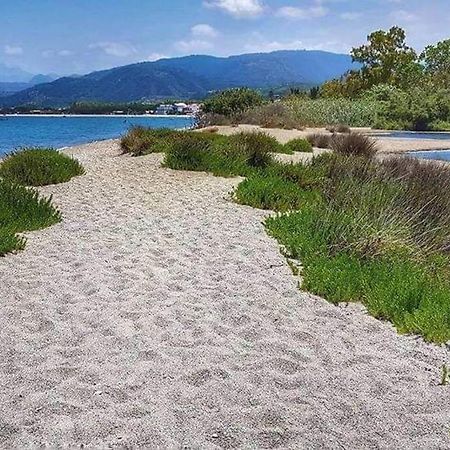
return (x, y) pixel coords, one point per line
(298, 145)
(355, 144)
(22, 209)
(39, 167)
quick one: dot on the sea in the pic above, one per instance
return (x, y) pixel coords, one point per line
(63, 131)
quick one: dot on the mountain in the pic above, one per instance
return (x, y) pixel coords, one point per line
(11, 87)
(187, 77)
(13, 74)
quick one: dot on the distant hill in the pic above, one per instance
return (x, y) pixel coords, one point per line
(10, 87)
(187, 77)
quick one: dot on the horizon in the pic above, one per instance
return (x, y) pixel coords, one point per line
(122, 34)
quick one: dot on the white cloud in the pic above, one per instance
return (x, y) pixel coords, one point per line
(272, 46)
(156, 56)
(237, 8)
(13, 50)
(114, 48)
(193, 46)
(205, 30)
(293, 12)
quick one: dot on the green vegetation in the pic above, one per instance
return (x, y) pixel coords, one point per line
(39, 167)
(232, 101)
(22, 209)
(298, 145)
(363, 229)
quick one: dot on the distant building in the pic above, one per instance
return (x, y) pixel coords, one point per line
(164, 110)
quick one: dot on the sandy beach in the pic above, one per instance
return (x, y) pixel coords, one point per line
(159, 314)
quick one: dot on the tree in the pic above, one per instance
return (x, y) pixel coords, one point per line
(232, 101)
(436, 60)
(385, 57)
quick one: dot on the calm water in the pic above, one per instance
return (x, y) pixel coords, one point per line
(441, 155)
(415, 135)
(61, 131)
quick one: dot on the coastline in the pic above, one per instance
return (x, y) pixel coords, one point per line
(63, 116)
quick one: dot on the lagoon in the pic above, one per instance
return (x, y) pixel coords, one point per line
(64, 131)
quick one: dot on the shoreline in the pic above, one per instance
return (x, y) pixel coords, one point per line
(65, 116)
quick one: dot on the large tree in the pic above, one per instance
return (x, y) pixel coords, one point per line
(387, 59)
(436, 60)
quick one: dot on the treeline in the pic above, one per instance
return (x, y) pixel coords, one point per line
(86, 108)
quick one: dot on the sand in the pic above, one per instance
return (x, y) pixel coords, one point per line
(159, 314)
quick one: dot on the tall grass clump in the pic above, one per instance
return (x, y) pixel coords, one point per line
(22, 209)
(320, 140)
(325, 111)
(139, 141)
(39, 167)
(355, 144)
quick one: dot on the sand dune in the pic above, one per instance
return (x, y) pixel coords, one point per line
(159, 314)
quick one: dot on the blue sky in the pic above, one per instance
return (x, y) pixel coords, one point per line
(78, 36)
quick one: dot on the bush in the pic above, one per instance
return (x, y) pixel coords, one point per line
(139, 141)
(298, 145)
(189, 153)
(340, 128)
(254, 147)
(22, 209)
(270, 115)
(232, 101)
(354, 144)
(319, 140)
(39, 167)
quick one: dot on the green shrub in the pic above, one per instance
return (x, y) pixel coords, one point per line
(253, 147)
(191, 152)
(22, 209)
(139, 141)
(39, 167)
(298, 145)
(232, 101)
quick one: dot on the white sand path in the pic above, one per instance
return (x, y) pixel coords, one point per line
(159, 314)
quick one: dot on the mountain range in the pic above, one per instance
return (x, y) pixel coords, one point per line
(190, 77)
(13, 79)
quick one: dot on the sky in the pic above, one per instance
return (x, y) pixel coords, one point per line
(79, 36)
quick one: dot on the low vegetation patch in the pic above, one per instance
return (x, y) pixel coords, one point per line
(139, 141)
(22, 209)
(298, 145)
(39, 167)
